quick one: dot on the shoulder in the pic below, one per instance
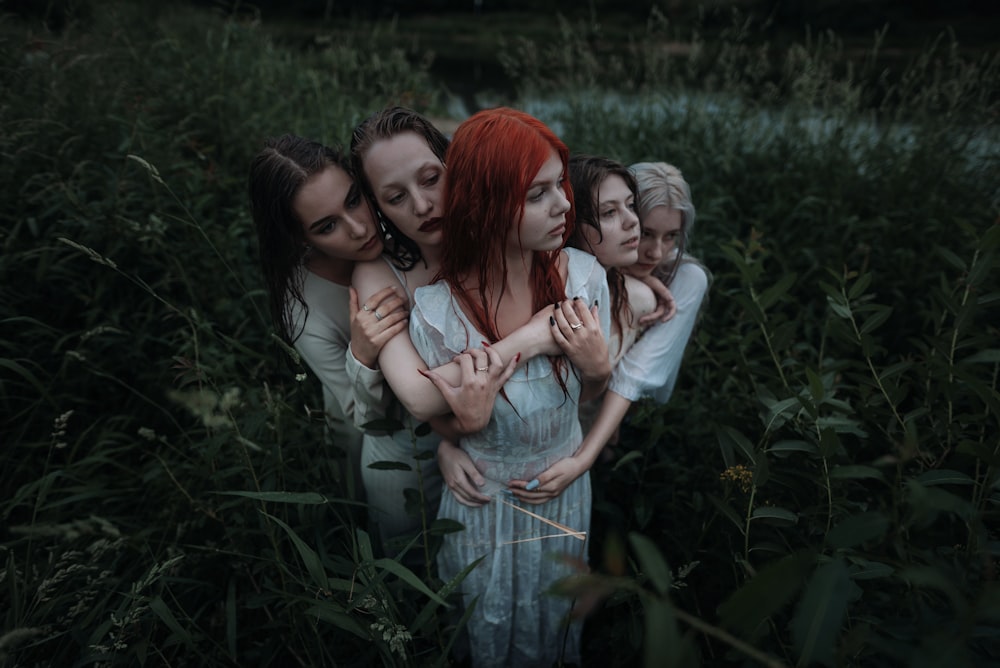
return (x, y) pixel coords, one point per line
(641, 298)
(370, 277)
(691, 282)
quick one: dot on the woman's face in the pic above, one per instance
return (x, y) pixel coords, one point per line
(543, 224)
(336, 219)
(617, 243)
(407, 180)
(660, 231)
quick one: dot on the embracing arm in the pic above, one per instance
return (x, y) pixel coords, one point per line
(420, 390)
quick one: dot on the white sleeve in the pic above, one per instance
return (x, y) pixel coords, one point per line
(651, 365)
(324, 353)
(371, 397)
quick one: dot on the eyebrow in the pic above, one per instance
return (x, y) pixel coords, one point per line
(544, 182)
(429, 165)
(321, 222)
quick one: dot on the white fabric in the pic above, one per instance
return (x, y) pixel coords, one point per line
(650, 367)
(515, 623)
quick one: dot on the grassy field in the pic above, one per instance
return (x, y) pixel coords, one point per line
(823, 488)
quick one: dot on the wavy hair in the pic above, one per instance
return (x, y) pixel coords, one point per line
(277, 173)
(586, 174)
(662, 184)
(493, 159)
(382, 125)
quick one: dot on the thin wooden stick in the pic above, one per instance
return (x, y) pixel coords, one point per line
(579, 535)
(554, 535)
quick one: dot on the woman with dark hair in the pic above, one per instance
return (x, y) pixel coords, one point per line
(650, 367)
(508, 210)
(313, 225)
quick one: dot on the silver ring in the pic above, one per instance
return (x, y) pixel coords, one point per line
(482, 368)
(364, 307)
(378, 316)
(576, 326)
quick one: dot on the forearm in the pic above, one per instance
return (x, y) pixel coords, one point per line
(612, 412)
(591, 387)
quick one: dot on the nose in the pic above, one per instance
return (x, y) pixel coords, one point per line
(356, 227)
(654, 252)
(629, 220)
(422, 205)
(561, 205)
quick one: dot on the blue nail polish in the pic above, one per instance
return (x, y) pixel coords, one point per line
(532, 485)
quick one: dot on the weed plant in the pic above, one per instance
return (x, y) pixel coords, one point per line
(822, 489)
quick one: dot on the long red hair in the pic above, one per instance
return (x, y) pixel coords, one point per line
(493, 158)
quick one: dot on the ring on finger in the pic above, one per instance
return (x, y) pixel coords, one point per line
(365, 307)
(378, 316)
(482, 368)
(576, 326)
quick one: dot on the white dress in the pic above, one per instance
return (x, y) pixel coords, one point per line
(650, 367)
(515, 623)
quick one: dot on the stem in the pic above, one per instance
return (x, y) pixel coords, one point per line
(767, 338)
(746, 532)
(729, 639)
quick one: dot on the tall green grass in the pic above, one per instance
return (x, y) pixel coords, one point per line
(822, 488)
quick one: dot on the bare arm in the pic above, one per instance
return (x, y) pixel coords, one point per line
(405, 370)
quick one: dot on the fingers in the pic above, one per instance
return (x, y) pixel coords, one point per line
(653, 316)
(353, 302)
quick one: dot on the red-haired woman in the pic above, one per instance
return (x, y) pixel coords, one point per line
(508, 210)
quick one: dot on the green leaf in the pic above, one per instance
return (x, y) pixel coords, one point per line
(793, 446)
(730, 437)
(407, 576)
(385, 465)
(858, 529)
(774, 515)
(856, 472)
(816, 387)
(662, 640)
(769, 591)
(863, 569)
(781, 408)
(727, 510)
(839, 309)
(443, 525)
(860, 285)
(651, 562)
(306, 553)
(329, 612)
(944, 477)
(306, 498)
(768, 298)
(157, 605)
(383, 424)
(425, 616)
(629, 456)
(876, 320)
(990, 356)
(820, 613)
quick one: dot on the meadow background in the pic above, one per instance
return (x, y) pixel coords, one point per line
(823, 488)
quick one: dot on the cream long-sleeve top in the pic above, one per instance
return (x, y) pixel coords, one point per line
(324, 344)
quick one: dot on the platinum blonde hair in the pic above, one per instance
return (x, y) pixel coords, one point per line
(662, 184)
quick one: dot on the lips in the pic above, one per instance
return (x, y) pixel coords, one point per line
(430, 225)
(370, 244)
(558, 232)
(632, 243)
